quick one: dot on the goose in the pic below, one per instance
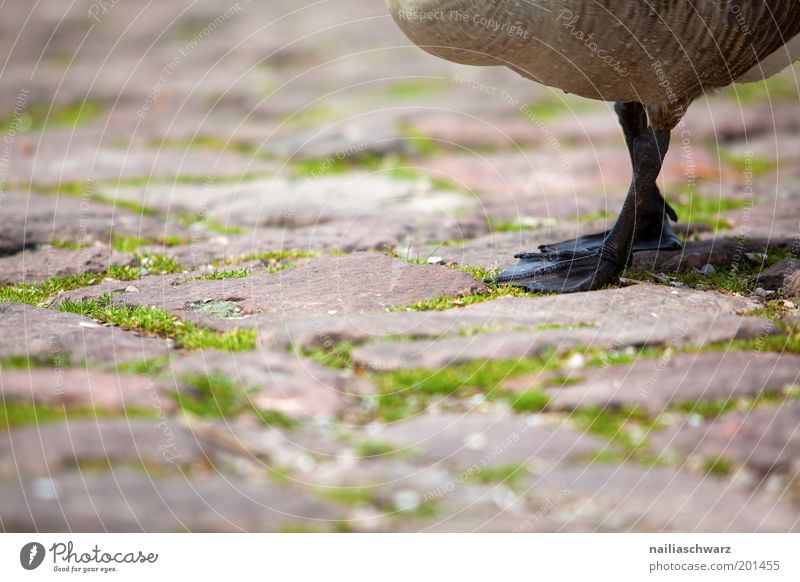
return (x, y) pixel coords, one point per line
(651, 59)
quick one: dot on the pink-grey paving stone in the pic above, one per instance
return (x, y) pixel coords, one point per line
(44, 334)
(277, 381)
(47, 448)
(37, 266)
(360, 282)
(126, 501)
(377, 233)
(462, 441)
(33, 219)
(438, 353)
(655, 384)
(638, 315)
(84, 388)
(766, 440)
(634, 499)
(302, 202)
(783, 277)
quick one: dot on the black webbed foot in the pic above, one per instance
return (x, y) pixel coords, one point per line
(653, 233)
(560, 272)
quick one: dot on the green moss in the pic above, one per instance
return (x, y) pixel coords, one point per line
(694, 208)
(718, 466)
(209, 142)
(554, 105)
(412, 88)
(778, 87)
(28, 362)
(443, 302)
(530, 401)
(218, 396)
(37, 293)
(758, 166)
(349, 495)
(335, 356)
(508, 474)
(614, 425)
(15, 413)
(311, 115)
(219, 275)
(150, 367)
(406, 392)
(38, 116)
(132, 244)
(154, 321)
(374, 449)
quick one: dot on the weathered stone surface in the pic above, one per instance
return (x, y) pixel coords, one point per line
(639, 315)
(326, 331)
(301, 202)
(42, 333)
(374, 233)
(630, 498)
(477, 441)
(435, 354)
(278, 381)
(766, 440)
(36, 266)
(131, 502)
(77, 162)
(360, 282)
(84, 388)
(48, 217)
(655, 384)
(720, 253)
(783, 277)
(45, 449)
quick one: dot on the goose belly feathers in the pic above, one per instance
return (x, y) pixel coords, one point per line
(662, 54)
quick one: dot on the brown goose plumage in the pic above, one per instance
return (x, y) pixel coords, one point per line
(662, 53)
(652, 58)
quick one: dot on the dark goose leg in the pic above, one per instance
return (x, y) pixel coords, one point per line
(653, 231)
(588, 269)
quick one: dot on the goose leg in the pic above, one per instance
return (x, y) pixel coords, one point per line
(653, 231)
(589, 269)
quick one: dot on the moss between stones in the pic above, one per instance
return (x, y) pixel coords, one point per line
(218, 396)
(154, 321)
(39, 293)
(14, 413)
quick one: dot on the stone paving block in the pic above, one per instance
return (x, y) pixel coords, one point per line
(360, 282)
(125, 501)
(301, 202)
(655, 384)
(32, 219)
(766, 440)
(48, 448)
(42, 333)
(438, 353)
(278, 381)
(634, 499)
(639, 315)
(473, 441)
(83, 388)
(37, 266)
(783, 277)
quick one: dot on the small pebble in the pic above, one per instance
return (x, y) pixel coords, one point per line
(436, 260)
(708, 269)
(143, 272)
(476, 441)
(131, 289)
(407, 500)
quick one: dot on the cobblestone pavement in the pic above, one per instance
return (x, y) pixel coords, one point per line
(241, 258)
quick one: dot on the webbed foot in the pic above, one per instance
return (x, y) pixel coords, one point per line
(653, 233)
(561, 272)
